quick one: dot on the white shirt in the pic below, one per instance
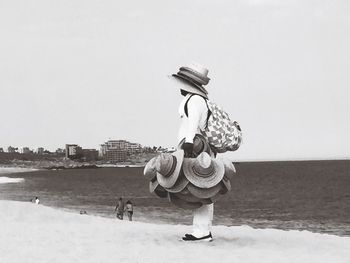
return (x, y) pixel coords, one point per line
(196, 120)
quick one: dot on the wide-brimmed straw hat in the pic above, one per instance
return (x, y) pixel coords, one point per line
(150, 169)
(168, 168)
(194, 76)
(157, 189)
(182, 203)
(203, 171)
(229, 172)
(153, 184)
(204, 192)
(180, 184)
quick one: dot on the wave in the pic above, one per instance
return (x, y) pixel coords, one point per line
(6, 180)
(10, 170)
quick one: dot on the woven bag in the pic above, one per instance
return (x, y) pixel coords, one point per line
(222, 133)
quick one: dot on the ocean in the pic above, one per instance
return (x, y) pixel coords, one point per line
(298, 195)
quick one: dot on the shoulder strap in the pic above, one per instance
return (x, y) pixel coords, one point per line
(186, 108)
(209, 113)
(206, 102)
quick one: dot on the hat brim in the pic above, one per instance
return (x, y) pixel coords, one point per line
(187, 196)
(189, 81)
(230, 169)
(180, 184)
(204, 192)
(191, 88)
(158, 190)
(203, 182)
(197, 79)
(226, 186)
(183, 204)
(204, 79)
(153, 185)
(216, 197)
(169, 181)
(150, 169)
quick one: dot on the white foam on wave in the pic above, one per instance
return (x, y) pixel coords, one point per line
(7, 180)
(10, 170)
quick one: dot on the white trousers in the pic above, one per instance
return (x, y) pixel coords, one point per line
(202, 220)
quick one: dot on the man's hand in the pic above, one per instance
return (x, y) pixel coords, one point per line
(188, 149)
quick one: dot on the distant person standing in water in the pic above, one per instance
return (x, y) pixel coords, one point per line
(120, 208)
(37, 201)
(129, 209)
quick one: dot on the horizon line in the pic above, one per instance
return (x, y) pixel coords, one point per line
(291, 160)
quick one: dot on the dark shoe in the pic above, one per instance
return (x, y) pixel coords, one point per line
(189, 237)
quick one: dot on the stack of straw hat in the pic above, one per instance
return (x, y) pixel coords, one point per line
(189, 182)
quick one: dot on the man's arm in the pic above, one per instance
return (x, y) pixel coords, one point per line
(196, 107)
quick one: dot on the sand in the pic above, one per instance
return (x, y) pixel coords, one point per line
(35, 233)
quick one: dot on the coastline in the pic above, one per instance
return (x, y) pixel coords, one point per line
(44, 234)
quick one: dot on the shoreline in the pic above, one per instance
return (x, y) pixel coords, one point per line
(24, 166)
(45, 234)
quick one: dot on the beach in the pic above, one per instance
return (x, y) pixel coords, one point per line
(35, 233)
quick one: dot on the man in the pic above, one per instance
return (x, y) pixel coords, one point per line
(193, 112)
(120, 209)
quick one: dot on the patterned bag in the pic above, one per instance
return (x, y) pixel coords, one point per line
(222, 133)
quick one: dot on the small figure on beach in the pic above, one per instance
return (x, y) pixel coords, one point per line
(129, 209)
(120, 208)
(37, 201)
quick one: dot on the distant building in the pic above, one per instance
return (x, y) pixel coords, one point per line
(89, 155)
(103, 150)
(40, 150)
(25, 150)
(11, 149)
(133, 148)
(116, 151)
(60, 151)
(73, 151)
(116, 155)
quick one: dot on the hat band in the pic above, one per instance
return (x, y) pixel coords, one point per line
(172, 169)
(203, 75)
(205, 172)
(195, 79)
(202, 79)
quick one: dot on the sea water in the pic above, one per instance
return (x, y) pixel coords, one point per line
(306, 195)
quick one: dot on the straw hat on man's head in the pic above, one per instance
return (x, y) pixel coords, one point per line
(203, 171)
(192, 78)
(168, 168)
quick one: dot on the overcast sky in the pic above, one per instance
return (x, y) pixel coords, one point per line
(88, 71)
